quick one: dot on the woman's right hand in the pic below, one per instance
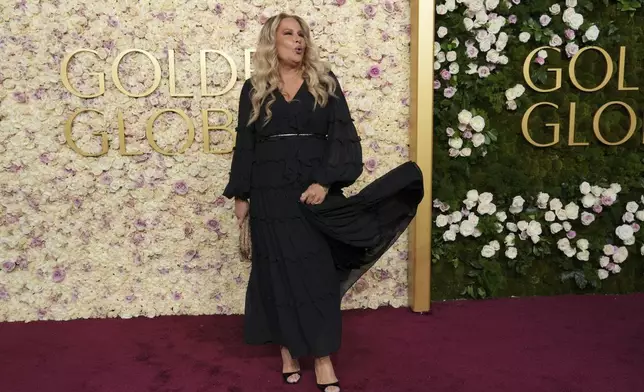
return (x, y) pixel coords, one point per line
(241, 210)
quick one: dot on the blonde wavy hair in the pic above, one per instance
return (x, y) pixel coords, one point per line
(266, 77)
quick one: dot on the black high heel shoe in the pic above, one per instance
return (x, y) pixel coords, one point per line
(323, 387)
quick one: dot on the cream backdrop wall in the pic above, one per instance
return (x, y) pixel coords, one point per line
(150, 235)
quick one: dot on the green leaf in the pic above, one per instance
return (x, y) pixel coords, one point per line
(481, 292)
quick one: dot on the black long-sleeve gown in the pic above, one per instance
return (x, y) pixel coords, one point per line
(305, 258)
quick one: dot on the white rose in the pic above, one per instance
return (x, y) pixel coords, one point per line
(604, 261)
(466, 228)
(524, 37)
(492, 56)
(624, 232)
(466, 152)
(437, 65)
(571, 49)
(454, 68)
(587, 218)
(534, 229)
(468, 23)
(584, 255)
(550, 216)
(597, 191)
(628, 217)
(502, 216)
(442, 32)
(563, 244)
(469, 204)
(487, 251)
(582, 244)
(555, 204)
(449, 235)
(640, 215)
(495, 245)
(509, 239)
(572, 211)
(555, 228)
(511, 253)
(591, 34)
(576, 20)
(570, 252)
(451, 5)
(477, 123)
(451, 56)
(499, 227)
(523, 236)
(441, 57)
(512, 105)
(511, 226)
(588, 200)
(543, 54)
(584, 188)
(441, 9)
(464, 117)
(484, 208)
(555, 9)
(602, 273)
(621, 255)
(542, 200)
(456, 216)
(491, 4)
(522, 225)
(472, 195)
(456, 142)
(567, 226)
(609, 250)
(478, 139)
(555, 40)
(561, 214)
(616, 269)
(632, 207)
(486, 197)
(517, 205)
(642, 250)
(477, 233)
(629, 241)
(442, 220)
(571, 3)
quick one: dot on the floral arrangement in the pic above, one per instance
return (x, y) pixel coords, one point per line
(532, 231)
(548, 223)
(149, 235)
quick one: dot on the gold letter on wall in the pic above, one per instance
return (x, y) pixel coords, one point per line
(609, 69)
(149, 132)
(70, 141)
(65, 76)
(117, 80)
(204, 80)
(526, 129)
(526, 71)
(631, 128)
(207, 128)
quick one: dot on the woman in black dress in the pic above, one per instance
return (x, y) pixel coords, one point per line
(296, 149)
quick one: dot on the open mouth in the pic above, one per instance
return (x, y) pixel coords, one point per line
(299, 50)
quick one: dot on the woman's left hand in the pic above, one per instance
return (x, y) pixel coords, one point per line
(315, 194)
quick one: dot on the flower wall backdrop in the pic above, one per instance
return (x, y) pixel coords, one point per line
(512, 218)
(149, 234)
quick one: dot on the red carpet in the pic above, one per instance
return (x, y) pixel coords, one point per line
(571, 343)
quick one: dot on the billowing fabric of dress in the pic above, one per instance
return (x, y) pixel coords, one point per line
(305, 258)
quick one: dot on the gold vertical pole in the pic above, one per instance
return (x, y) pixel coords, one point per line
(421, 143)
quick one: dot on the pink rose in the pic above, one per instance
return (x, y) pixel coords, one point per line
(374, 71)
(467, 135)
(569, 33)
(446, 75)
(512, 19)
(449, 92)
(540, 60)
(597, 208)
(437, 84)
